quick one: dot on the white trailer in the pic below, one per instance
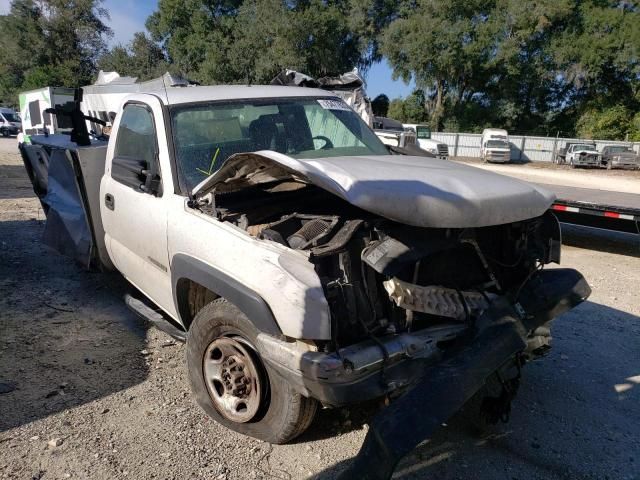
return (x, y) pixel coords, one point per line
(100, 100)
(33, 106)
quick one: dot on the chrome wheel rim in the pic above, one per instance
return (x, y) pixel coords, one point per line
(233, 378)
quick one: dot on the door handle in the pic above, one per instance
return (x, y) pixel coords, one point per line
(109, 201)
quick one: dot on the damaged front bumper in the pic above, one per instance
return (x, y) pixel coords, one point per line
(435, 383)
(444, 388)
(375, 368)
(355, 373)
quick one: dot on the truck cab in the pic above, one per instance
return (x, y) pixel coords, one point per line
(392, 132)
(495, 146)
(423, 134)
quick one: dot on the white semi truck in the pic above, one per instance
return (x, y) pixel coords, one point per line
(425, 142)
(306, 265)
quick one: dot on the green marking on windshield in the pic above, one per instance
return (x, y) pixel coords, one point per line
(213, 163)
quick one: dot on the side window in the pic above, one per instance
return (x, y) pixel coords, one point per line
(136, 135)
(34, 112)
(135, 161)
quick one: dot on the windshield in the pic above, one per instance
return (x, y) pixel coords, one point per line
(497, 144)
(205, 135)
(423, 132)
(11, 117)
(591, 148)
(620, 150)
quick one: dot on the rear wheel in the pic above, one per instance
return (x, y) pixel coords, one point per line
(233, 385)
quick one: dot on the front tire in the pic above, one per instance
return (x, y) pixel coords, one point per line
(232, 384)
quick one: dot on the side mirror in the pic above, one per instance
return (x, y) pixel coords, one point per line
(152, 183)
(136, 174)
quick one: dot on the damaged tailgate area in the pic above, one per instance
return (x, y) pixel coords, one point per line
(66, 179)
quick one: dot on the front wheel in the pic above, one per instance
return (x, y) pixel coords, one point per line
(5, 133)
(233, 385)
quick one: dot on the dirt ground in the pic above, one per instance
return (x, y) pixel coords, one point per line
(89, 391)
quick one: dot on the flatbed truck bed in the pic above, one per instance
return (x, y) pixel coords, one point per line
(618, 211)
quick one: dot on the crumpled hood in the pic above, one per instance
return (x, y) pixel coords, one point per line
(418, 191)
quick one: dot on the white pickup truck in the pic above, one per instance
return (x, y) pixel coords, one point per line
(307, 266)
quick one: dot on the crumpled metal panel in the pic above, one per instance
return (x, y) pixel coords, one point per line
(435, 300)
(418, 191)
(67, 229)
(349, 86)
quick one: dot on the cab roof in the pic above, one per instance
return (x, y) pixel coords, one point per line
(181, 95)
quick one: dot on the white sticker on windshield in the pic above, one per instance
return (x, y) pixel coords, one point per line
(333, 104)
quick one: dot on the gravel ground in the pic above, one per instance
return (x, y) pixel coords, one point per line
(94, 393)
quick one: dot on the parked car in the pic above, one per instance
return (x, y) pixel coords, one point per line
(303, 263)
(10, 123)
(495, 146)
(560, 157)
(619, 156)
(583, 155)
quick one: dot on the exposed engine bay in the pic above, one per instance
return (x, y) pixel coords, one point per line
(382, 277)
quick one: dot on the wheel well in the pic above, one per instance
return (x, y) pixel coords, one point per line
(192, 297)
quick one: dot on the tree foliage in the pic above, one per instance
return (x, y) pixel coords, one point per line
(569, 66)
(50, 42)
(528, 67)
(224, 41)
(611, 123)
(380, 105)
(141, 58)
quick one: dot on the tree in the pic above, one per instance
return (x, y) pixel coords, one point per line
(409, 110)
(439, 45)
(227, 41)
(141, 58)
(380, 105)
(50, 42)
(612, 123)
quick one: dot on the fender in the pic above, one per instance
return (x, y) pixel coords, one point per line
(249, 302)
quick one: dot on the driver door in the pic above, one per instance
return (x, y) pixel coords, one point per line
(134, 193)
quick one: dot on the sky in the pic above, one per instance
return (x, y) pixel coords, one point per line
(128, 17)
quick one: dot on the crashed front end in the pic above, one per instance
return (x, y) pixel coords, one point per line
(586, 158)
(422, 308)
(405, 298)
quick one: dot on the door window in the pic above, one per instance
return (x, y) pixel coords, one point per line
(136, 135)
(135, 157)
